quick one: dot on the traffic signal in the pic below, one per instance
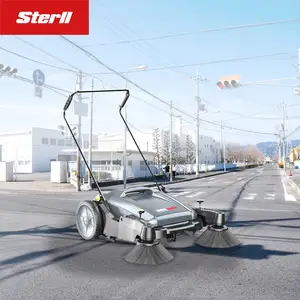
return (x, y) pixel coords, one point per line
(229, 82)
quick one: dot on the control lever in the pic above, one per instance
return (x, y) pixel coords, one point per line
(140, 212)
(200, 202)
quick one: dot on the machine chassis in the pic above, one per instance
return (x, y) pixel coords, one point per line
(132, 227)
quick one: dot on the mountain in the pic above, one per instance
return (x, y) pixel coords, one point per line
(270, 148)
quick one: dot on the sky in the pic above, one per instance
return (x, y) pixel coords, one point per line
(252, 108)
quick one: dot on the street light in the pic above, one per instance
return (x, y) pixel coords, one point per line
(198, 79)
(7, 70)
(138, 68)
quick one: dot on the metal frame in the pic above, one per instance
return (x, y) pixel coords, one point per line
(132, 228)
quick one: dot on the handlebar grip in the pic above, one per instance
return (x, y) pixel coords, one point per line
(125, 99)
(70, 98)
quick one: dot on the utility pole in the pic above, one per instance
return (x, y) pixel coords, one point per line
(79, 134)
(223, 147)
(91, 134)
(171, 141)
(198, 127)
(283, 106)
(198, 79)
(125, 143)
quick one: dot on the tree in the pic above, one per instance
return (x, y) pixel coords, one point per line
(233, 152)
(156, 146)
(166, 149)
(190, 150)
(176, 150)
(252, 154)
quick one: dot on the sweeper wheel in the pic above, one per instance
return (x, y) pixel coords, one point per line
(89, 220)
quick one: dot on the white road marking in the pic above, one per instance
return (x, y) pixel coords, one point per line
(288, 197)
(212, 178)
(239, 178)
(271, 195)
(251, 196)
(269, 198)
(252, 174)
(182, 193)
(195, 195)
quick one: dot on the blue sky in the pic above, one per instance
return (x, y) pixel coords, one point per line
(126, 20)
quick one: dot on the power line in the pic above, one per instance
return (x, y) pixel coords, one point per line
(34, 60)
(181, 72)
(195, 32)
(47, 53)
(94, 58)
(53, 66)
(204, 63)
(144, 49)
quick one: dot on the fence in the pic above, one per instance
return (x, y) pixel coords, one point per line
(115, 172)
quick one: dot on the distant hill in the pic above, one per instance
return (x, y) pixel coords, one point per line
(270, 148)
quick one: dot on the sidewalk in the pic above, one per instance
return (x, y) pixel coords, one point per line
(294, 179)
(45, 186)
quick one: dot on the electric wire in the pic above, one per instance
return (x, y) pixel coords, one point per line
(212, 62)
(229, 28)
(53, 88)
(46, 53)
(75, 67)
(124, 25)
(34, 60)
(94, 58)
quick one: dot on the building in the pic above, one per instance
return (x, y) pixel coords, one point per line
(33, 150)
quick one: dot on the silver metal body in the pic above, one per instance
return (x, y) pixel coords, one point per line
(138, 207)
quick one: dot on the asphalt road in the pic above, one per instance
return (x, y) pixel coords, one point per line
(43, 258)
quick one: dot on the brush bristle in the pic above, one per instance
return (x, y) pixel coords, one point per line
(212, 238)
(149, 255)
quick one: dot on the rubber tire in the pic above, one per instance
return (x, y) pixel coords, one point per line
(98, 217)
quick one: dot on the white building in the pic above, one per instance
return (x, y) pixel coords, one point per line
(33, 150)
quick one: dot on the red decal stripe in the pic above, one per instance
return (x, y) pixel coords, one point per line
(171, 208)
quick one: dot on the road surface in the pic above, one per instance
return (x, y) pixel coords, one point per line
(43, 258)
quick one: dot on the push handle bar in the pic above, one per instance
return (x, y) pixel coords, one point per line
(70, 98)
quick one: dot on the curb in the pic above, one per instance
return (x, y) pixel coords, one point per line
(185, 180)
(113, 183)
(294, 185)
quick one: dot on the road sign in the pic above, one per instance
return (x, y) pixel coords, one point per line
(38, 77)
(38, 92)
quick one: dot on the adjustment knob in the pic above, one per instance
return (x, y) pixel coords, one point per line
(200, 202)
(140, 212)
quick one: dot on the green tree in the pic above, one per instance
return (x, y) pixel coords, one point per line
(176, 150)
(156, 146)
(166, 149)
(190, 150)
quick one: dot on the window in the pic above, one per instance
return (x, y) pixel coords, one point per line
(69, 142)
(130, 163)
(27, 162)
(52, 142)
(61, 142)
(45, 141)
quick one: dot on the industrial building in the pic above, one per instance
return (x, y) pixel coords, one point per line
(33, 150)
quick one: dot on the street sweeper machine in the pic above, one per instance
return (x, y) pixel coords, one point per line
(147, 217)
